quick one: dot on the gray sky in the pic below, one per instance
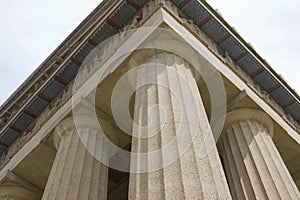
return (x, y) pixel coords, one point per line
(32, 29)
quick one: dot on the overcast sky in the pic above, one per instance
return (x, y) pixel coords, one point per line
(32, 29)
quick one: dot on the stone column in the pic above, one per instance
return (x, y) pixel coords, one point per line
(76, 173)
(171, 105)
(13, 192)
(253, 165)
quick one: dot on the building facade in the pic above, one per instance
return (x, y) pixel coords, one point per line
(151, 100)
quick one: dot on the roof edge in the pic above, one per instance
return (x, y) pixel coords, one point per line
(250, 48)
(72, 36)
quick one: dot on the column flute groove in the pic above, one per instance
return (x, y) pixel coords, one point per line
(237, 156)
(76, 173)
(188, 177)
(139, 182)
(154, 142)
(228, 162)
(272, 168)
(166, 136)
(194, 170)
(262, 173)
(258, 160)
(258, 164)
(280, 166)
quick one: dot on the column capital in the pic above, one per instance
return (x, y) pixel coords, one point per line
(80, 167)
(250, 114)
(13, 192)
(71, 125)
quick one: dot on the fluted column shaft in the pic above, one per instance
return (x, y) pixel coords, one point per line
(13, 192)
(188, 177)
(253, 165)
(76, 173)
